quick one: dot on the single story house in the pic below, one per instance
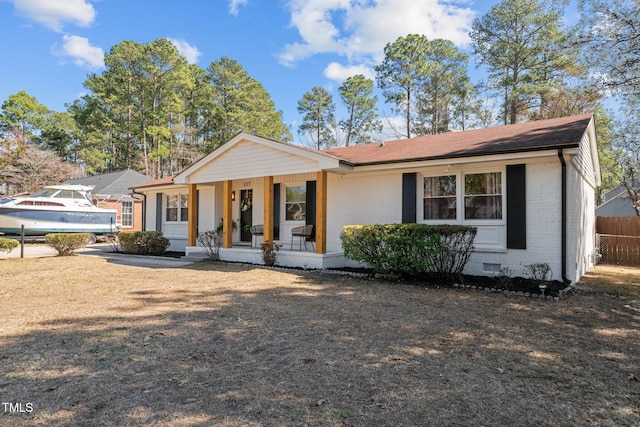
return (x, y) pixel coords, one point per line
(529, 189)
(112, 191)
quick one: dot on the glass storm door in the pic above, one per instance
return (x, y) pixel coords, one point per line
(246, 214)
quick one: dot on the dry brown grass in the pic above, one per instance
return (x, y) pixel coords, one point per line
(93, 343)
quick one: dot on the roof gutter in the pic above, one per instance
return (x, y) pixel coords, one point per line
(564, 216)
(460, 155)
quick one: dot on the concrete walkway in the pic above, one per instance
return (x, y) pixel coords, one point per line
(103, 250)
(30, 251)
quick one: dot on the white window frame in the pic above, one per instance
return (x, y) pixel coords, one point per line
(128, 215)
(503, 198)
(302, 220)
(460, 197)
(457, 198)
(181, 197)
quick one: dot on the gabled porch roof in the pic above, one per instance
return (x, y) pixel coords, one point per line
(252, 156)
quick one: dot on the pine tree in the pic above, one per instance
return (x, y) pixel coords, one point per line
(318, 120)
(357, 94)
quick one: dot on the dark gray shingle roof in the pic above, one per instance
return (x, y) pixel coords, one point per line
(114, 184)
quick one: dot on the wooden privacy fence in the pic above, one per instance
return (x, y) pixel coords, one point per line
(618, 240)
(618, 225)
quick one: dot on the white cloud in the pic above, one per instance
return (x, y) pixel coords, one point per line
(81, 51)
(359, 29)
(54, 14)
(340, 73)
(185, 49)
(235, 4)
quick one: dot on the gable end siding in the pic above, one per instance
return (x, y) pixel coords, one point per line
(584, 161)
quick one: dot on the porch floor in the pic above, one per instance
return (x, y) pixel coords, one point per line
(244, 252)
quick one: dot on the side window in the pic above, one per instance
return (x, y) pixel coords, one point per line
(483, 196)
(439, 197)
(295, 203)
(172, 208)
(184, 207)
(177, 207)
(127, 214)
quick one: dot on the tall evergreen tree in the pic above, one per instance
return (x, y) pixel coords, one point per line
(318, 120)
(401, 74)
(139, 95)
(22, 117)
(467, 109)
(445, 81)
(523, 45)
(357, 94)
(59, 134)
(242, 104)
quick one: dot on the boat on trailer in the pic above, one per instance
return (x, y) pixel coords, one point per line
(56, 209)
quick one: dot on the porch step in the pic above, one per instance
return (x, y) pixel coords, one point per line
(194, 257)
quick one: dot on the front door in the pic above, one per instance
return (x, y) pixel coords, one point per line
(246, 214)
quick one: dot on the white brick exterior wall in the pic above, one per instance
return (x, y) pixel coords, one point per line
(373, 195)
(376, 198)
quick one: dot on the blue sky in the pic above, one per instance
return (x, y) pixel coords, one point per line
(49, 46)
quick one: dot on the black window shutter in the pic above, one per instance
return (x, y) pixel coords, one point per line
(276, 211)
(311, 207)
(516, 207)
(159, 212)
(197, 211)
(409, 190)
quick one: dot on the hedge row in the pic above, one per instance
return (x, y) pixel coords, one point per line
(410, 249)
(142, 242)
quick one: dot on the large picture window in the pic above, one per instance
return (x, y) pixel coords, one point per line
(440, 197)
(177, 207)
(127, 214)
(483, 196)
(295, 203)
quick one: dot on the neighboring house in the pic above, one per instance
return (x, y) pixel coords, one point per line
(529, 189)
(112, 191)
(616, 202)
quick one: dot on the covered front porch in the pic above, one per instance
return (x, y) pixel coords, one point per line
(266, 201)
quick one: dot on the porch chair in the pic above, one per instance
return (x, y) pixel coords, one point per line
(303, 232)
(256, 230)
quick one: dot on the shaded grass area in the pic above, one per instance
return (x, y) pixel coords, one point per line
(92, 343)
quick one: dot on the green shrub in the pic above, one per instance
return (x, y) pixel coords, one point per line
(142, 242)
(7, 245)
(67, 243)
(129, 241)
(409, 249)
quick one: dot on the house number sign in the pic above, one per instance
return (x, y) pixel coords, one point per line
(246, 183)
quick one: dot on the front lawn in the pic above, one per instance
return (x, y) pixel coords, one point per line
(86, 342)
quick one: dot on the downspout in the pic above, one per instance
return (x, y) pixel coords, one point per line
(144, 208)
(564, 217)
